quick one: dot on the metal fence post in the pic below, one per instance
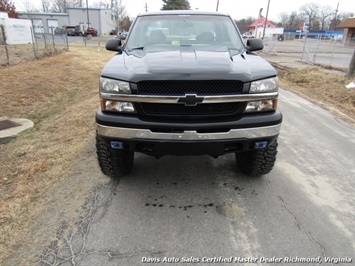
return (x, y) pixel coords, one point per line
(331, 58)
(304, 47)
(66, 41)
(5, 44)
(33, 43)
(45, 41)
(53, 38)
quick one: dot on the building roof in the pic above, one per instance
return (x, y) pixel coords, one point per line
(261, 22)
(42, 14)
(347, 23)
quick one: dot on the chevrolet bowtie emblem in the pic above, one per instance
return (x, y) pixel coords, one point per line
(190, 99)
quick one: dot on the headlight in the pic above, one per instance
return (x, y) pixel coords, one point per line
(264, 85)
(261, 106)
(117, 106)
(114, 86)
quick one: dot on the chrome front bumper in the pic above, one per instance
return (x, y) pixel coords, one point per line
(242, 133)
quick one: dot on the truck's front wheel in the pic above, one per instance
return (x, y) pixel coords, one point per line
(257, 162)
(113, 163)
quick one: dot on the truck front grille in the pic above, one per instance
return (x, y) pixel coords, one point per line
(180, 88)
(177, 87)
(212, 109)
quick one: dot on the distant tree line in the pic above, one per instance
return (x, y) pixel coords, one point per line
(315, 16)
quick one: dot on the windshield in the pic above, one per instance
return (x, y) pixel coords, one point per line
(164, 32)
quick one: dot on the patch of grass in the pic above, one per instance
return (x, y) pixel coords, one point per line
(326, 88)
(60, 94)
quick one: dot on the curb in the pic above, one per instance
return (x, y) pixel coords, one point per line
(6, 135)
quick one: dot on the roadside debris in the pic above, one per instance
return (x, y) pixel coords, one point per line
(350, 85)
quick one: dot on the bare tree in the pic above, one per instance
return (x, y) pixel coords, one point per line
(244, 23)
(283, 17)
(29, 7)
(60, 6)
(125, 23)
(119, 12)
(294, 21)
(101, 4)
(45, 6)
(344, 15)
(325, 14)
(310, 12)
(339, 18)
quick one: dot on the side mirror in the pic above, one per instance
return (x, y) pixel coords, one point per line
(255, 45)
(114, 44)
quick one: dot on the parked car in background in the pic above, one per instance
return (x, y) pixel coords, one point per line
(70, 31)
(90, 31)
(247, 35)
(59, 31)
(73, 30)
(123, 35)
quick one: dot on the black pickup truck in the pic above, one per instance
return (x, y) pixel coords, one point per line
(184, 83)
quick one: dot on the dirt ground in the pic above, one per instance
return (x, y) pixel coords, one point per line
(38, 185)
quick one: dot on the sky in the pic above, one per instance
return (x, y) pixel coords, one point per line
(238, 9)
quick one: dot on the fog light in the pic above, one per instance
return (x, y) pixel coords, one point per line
(261, 145)
(261, 106)
(123, 107)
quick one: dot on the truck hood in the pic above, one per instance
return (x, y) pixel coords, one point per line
(188, 64)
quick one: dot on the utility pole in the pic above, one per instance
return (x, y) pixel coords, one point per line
(335, 16)
(87, 12)
(257, 23)
(146, 7)
(217, 5)
(267, 12)
(335, 23)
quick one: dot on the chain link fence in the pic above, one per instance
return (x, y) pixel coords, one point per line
(319, 51)
(43, 44)
(270, 45)
(326, 52)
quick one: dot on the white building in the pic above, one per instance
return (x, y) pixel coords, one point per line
(269, 32)
(100, 19)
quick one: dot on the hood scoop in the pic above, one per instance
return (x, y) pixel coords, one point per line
(187, 62)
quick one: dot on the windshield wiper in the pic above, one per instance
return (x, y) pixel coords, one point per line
(244, 51)
(238, 51)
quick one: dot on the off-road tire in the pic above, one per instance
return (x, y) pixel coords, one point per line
(113, 163)
(257, 162)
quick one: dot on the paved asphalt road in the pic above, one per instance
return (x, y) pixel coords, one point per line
(200, 208)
